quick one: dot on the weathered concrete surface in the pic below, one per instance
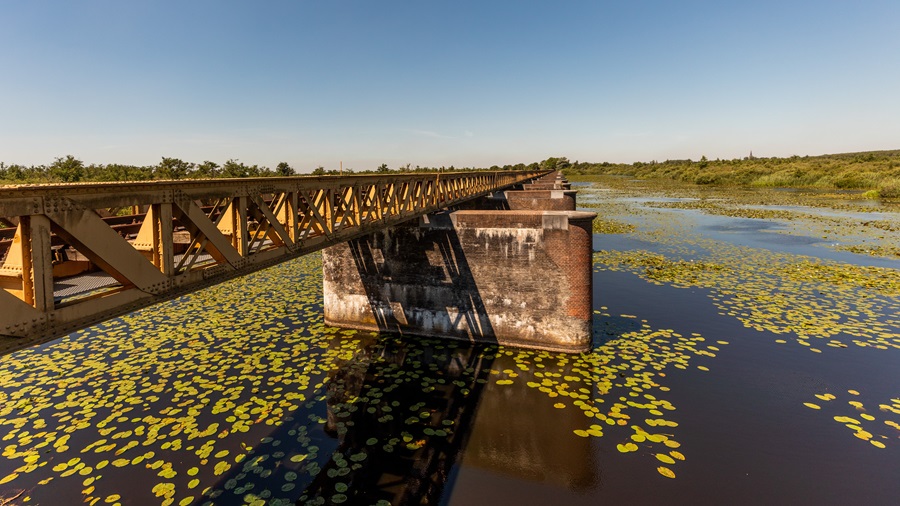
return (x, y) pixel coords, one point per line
(549, 185)
(541, 200)
(519, 278)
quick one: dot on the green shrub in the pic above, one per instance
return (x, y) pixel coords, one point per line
(849, 180)
(889, 188)
(707, 178)
(777, 179)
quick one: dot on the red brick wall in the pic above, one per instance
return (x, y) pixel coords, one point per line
(572, 253)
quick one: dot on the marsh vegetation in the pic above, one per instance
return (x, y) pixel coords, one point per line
(875, 172)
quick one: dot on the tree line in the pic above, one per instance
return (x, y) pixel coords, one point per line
(875, 171)
(69, 169)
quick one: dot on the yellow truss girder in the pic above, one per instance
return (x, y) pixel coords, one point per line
(188, 234)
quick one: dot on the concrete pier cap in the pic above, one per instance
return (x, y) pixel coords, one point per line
(517, 278)
(541, 200)
(547, 186)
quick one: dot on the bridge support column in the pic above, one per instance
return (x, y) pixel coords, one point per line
(541, 200)
(518, 278)
(552, 181)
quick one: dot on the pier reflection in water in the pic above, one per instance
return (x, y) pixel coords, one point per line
(400, 416)
(403, 418)
(513, 435)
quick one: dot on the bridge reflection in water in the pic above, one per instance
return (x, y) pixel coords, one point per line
(399, 420)
(529, 446)
(391, 424)
(410, 448)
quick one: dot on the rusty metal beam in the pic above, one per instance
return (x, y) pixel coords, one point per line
(242, 224)
(83, 229)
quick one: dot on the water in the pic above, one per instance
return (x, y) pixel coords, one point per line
(709, 339)
(772, 235)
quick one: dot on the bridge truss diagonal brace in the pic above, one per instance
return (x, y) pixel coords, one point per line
(287, 215)
(344, 202)
(321, 212)
(195, 220)
(84, 229)
(281, 237)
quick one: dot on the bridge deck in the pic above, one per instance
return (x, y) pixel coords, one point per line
(75, 254)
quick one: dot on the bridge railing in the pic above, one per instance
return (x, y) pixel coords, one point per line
(74, 254)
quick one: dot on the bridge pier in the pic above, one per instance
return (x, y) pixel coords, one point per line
(517, 278)
(541, 200)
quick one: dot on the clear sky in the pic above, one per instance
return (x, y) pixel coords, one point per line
(431, 83)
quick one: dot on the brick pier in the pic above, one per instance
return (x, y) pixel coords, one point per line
(518, 277)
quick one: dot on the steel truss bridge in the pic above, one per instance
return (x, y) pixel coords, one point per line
(76, 254)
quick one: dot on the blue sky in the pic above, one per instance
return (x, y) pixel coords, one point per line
(445, 83)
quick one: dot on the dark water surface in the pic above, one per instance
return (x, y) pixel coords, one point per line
(694, 393)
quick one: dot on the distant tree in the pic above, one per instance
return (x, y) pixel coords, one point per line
(555, 163)
(15, 172)
(383, 168)
(283, 169)
(67, 170)
(10, 172)
(173, 168)
(320, 171)
(234, 168)
(118, 172)
(207, 169)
